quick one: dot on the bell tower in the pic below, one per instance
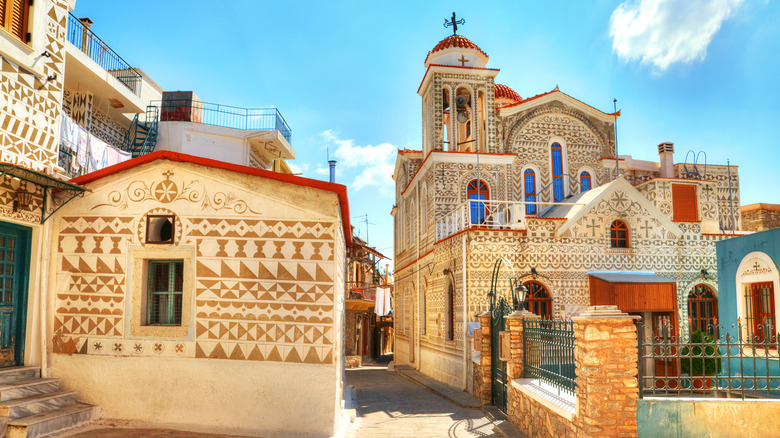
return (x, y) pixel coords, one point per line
(458, 98)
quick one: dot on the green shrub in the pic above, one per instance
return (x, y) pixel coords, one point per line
(696, 363)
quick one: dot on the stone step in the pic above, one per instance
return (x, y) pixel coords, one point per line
(37, 404)
(52, 421)
(15, 374)
(28, 388)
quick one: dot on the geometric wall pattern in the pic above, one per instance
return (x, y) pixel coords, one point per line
(263, 288)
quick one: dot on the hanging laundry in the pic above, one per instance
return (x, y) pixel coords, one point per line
(82, 145)
(69, 133)
(115, 156)
(97, 148)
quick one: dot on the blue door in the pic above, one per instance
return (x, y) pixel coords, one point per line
(14, 279)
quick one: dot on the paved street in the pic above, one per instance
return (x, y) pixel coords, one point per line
(390, 406)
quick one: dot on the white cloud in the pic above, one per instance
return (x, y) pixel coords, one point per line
(374, 163)
(664, 32)
(296, 169)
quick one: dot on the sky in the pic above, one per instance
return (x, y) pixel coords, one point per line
(344, 74)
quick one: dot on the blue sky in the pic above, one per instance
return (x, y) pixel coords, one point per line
(700, 73)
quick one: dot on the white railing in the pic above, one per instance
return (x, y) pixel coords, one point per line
(497, 215)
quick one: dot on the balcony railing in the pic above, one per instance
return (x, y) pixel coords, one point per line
(249, 119)
(85, 40)
(489, 214)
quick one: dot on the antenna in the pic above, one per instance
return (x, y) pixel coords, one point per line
(364, 218)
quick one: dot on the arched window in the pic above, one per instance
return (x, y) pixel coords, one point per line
(703, 310)
(412, 225)
(557, 171)
(538, 299)
(477, 191)
(618, 234)
(530, 191)
(450, 310)
(584, 182)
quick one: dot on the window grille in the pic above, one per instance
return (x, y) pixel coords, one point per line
(760, 312)
(166, 278)
(703, 310)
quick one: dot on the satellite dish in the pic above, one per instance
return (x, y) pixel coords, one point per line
(463, 116)
(460, 100)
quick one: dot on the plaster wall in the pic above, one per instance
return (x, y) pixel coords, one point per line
(712, 418)
(204, 141)
(223, 396)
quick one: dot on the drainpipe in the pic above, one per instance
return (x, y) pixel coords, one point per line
(466, 358)
(332, 164)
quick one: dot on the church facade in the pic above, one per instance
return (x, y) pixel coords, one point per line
(536, 182)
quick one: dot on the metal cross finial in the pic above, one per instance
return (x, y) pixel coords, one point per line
(454, 23)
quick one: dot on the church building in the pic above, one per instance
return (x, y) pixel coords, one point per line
(536, 182)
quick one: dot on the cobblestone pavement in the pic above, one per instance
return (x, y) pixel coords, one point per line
(390, 406)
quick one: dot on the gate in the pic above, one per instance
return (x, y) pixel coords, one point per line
(500, 307)
(498, 366)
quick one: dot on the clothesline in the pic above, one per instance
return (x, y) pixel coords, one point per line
(90, 153)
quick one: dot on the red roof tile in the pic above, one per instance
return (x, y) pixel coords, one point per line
(502, 91)
(458, 41)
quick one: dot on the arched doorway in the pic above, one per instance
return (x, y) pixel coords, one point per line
(538, 299)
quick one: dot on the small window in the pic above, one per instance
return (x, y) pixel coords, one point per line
(14, 14)
(619, 234)
(477, 191)
(164, 293)
(584, 182)
(684, 205)
(760, 312)
(160, 229)
(703, 310)
(530, 191)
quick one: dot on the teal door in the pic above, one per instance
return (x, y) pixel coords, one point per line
(14, 278)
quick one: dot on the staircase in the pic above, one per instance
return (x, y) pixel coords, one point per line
(31, 406)
(141, 137)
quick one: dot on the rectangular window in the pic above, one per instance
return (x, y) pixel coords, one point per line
(14, 15)
(684, 205)
(164, 293)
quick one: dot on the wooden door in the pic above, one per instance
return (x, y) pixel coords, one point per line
(14, 250)
(665, 341)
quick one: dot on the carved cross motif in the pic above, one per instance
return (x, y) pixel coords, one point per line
(592, 226)
(168, 174)
(756, 265)
(463, 61)
(646, 227)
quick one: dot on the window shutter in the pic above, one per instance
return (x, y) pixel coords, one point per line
(14, 13)
(685, 207)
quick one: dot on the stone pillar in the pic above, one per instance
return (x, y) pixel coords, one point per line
(605, 355)
(482, 385)
(514, 325)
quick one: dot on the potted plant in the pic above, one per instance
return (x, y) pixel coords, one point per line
(701, 359)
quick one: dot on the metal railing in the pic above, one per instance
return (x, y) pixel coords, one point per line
(488, 214)
(89, 43)
(248, 119)
(731, 365)
(548, 353)
(65, 159)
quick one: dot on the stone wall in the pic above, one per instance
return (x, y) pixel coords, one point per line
(760, 217)
(536, 420)
(482, 389)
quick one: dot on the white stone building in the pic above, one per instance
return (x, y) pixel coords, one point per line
(534, 180)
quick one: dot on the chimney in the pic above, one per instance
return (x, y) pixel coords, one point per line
(332, 164)
(666, 153)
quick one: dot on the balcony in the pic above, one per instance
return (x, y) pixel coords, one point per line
(245, 119)
(498, 215)
(85, 40)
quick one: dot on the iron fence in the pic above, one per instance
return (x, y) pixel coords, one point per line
(250, 119)
(97, 50)
(65, 160)
(731, 363)
(548, 353)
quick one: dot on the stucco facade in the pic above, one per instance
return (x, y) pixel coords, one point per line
(545, 178)
(262, 302)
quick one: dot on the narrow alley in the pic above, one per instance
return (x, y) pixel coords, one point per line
(388, 405)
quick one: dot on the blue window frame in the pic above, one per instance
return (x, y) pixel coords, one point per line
(530, 191)
(557, 171)
(477, 191)
(584, 182)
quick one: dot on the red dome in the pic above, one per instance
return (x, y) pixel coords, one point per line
(504, 92)
(457, 41)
